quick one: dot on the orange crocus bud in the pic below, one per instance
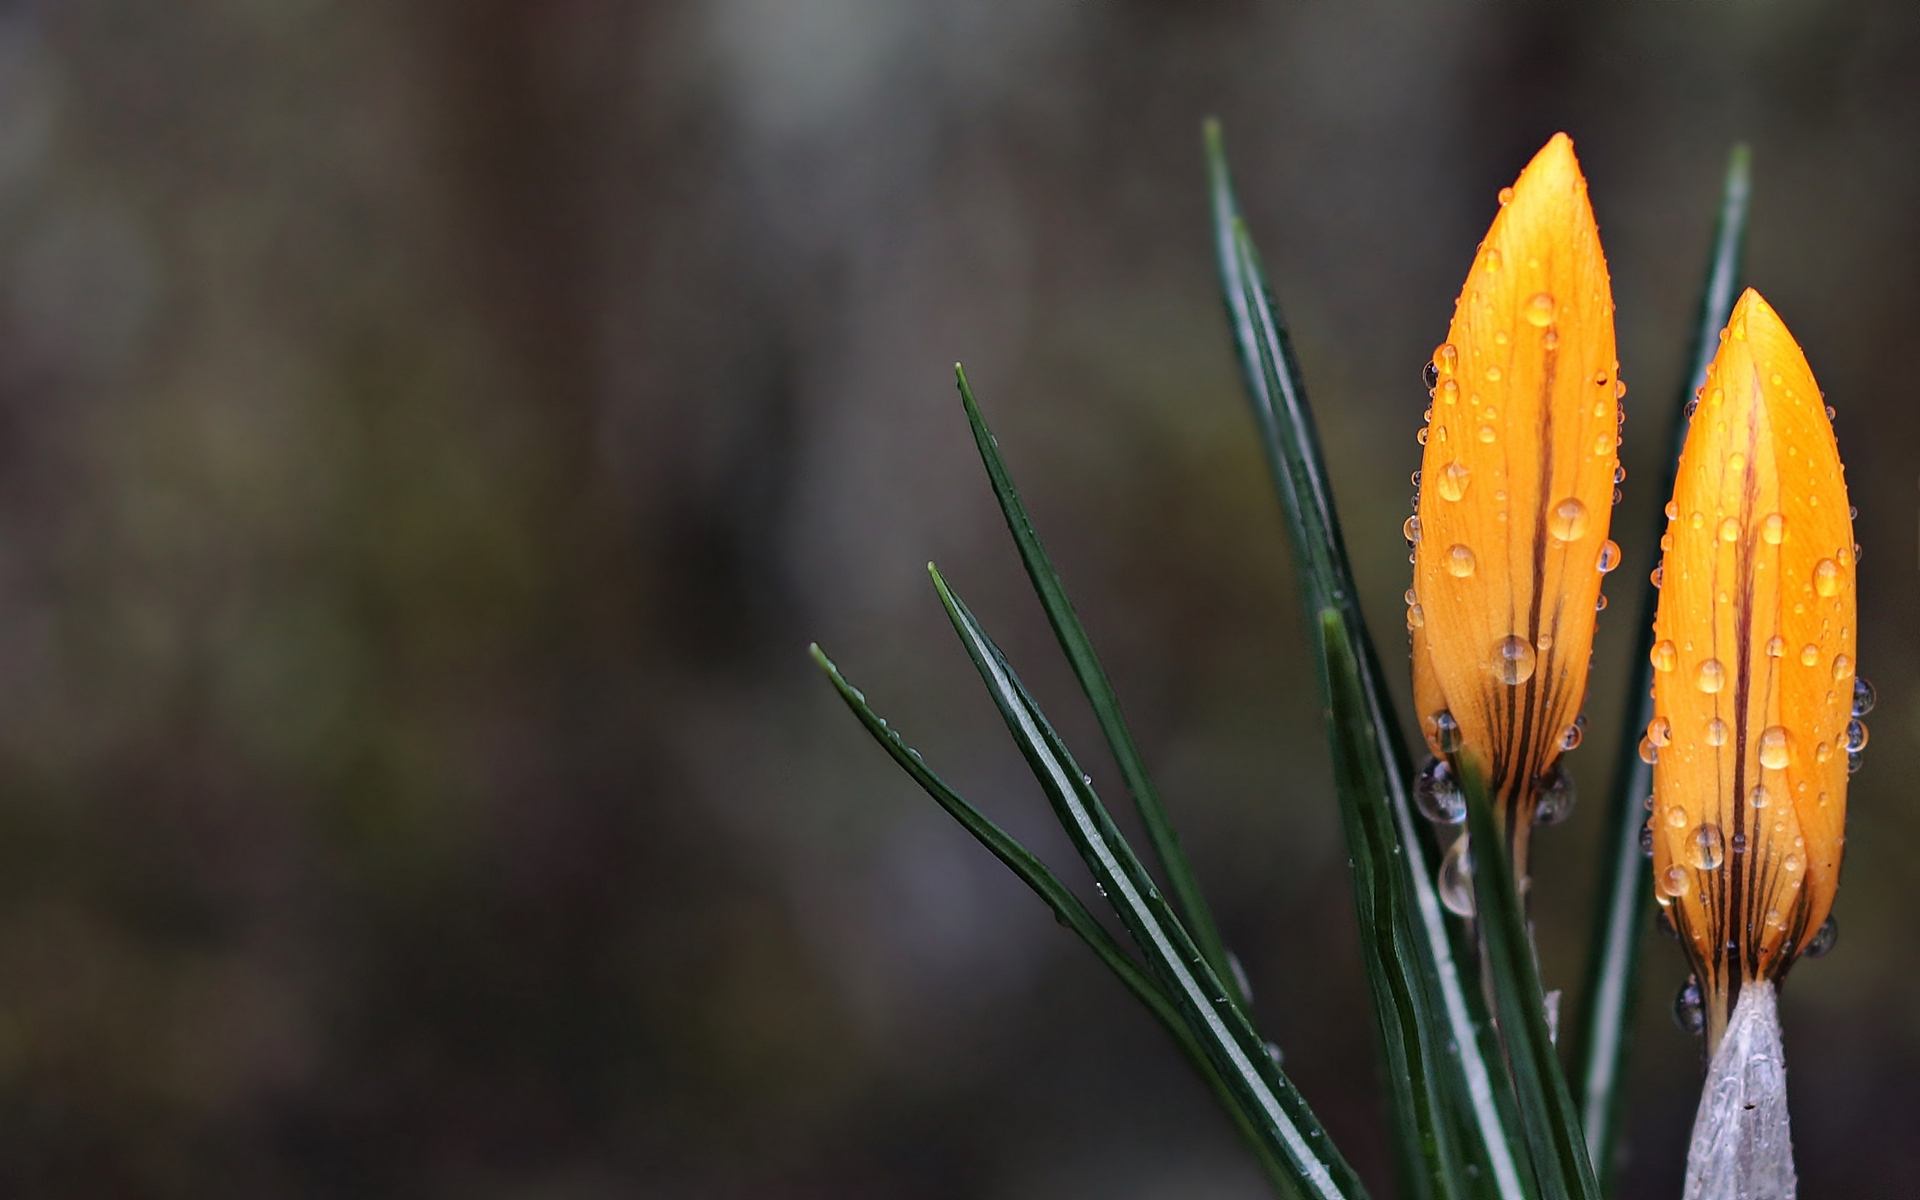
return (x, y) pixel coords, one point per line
(1518, 481)
(1756, 702)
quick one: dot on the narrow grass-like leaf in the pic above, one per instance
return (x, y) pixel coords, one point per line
(1547, 1111)
(1412, 1035)
(1192, 904)
(1200, 995)
(1067, 909)
(1482, 1095)
(1619, 920)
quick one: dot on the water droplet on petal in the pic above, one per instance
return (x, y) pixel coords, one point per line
(1716, 732)
(1410, 529)
(1711, 677)
(1430, 374)
(1570, 738)
(1452, 481)
(1443, 731)
(1707, 848)
(1438, 794)
(1659, 731)
(1459, 561)
(1568, 520)
(1775, 748)
(1842, 667)
(1505, 196)
(1729, 530)
(1513, 660)
(1609, 556)
(1776, 646)
(1486, 435)
(1826, 577)
(1689, 1009)
(1675, 881)
(1539, 310)
(1809, 654)
(1555, 797)
(1773, 529)
(1663, 656)
(1759, 797)
(1822, 942)
(1856, 736)
(1863, 696)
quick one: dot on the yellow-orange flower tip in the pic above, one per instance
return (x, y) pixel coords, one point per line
(1757, 705)
(1519, 477)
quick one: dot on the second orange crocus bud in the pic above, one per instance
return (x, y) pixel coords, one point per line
(1517, 485)
(1756, 699)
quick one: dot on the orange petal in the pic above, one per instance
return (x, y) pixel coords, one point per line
(1754, 666)
(1517, 485)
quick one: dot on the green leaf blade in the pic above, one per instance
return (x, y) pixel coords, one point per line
(1412, 1040)
(1603, 1038)
(1547, 1112)
(1317, 1168)
(1067, 907)
(1481, 1094)
(1098, 689)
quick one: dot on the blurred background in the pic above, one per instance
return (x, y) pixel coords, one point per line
(431, 433)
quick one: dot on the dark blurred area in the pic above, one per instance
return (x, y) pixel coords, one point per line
(431, 433)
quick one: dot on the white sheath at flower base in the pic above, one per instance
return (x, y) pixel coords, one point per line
(1742, 1147)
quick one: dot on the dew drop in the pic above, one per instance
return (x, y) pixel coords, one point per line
(1459, 561)
(1486, 435)
(1776, 646)
(1568, 520)
(1410, 529)
(1505, 196)
(1449, 392)
(1649, 753)
(1675, 881)
(1571, 736)
(1443, 732)
(1773, 529)
(1729, 530)
(1663, 656)
(1658, 575)
(1452, 481)
(1759, 797)
(1493, 373)
(1673, 511)
(1856, 736)
(1826, 577)
(1689, 1009)
(1822, 942)
(1540, 310)
(1716, 732)
(1842, 667)
(1659, 731)
(1677, 817)
(1863, 696)
(1430, 374)
(1809, 654)
(1554, 796)
(1775, 751)
(1438, 794)
(1513, 660)
(1609, 556)
(1711, 677)
(1707, 848)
